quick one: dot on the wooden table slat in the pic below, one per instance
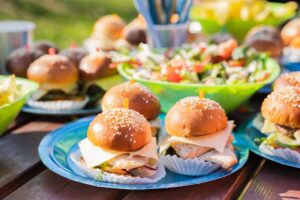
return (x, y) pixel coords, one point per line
(275, 181)
(48, 185)
(18, 122)
(18, 153)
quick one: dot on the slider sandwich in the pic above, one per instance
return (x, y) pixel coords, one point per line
(140, 100)
(200, 138)
(281, 113)
(120, 147)
(286, 80)
(58, 80)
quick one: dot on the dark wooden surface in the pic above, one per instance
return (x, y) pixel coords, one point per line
(23, 176)
(48, 185)
(18, 154)
(275, 181)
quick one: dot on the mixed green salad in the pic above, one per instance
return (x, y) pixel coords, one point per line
(202, 63)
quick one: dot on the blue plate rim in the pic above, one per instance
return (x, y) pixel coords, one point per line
(87, 111)
(243, 131)
(46, 157)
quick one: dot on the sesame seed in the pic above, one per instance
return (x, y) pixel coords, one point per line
(199, 104)
(293, 78)
(121, 118)
(288, 95)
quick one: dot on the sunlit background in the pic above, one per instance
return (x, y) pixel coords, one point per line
(73, 18)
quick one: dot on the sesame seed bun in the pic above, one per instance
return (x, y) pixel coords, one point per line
(109, 26)
(140, 99)
(288, 79)
(53, 72)
(282, 107)
(290, 31)
(265, 39)
(120, 130)
(95, 66)
(193, 116)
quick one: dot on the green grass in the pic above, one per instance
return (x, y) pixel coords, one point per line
(64, 21)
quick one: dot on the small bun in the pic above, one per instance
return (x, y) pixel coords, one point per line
(135, 31)
(19, 60)
(45, 45)
(282, 107)
(265, 39)
(53, 72)
(286, 80)
(290, 31)
(140, 99)
(109, 26)
(74, 54)
(120, 130)
(193, 116)
(95, 66)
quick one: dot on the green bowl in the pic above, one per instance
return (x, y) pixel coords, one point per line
(9, 112)
(238, 27)
(230, 97)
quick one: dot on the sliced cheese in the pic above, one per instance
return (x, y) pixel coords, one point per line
(155, 122)
(38, 94)
(297, 136)
(95, 156)
(215, 141)
(225, 159)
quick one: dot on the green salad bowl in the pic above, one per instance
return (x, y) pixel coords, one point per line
(230, 97)
(238, 28)
(9, 112)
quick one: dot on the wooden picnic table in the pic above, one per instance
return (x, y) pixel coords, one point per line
(23, 176)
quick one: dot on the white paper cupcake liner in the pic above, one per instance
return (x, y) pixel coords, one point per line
(58, 105)
(100, 175)
(190, 167)
(284, 153)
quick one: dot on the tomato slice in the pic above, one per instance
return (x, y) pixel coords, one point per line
(172, 76)
(198, 68)
(264, 77)
(226, 48)
(236, 63)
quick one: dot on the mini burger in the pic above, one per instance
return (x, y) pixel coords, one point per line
(119, 142)
(107, 30)
(140, 100)
(58, 79)
(74, 54)
(281, 113)
(19, 60)
(290, 34)
(286, 80)
(97, 75)
(45, 45)
(265, 39)
(200, 138)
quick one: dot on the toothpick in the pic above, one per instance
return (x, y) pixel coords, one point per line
(126, 103)
(51, 51)
(201, 94)
(131, 81)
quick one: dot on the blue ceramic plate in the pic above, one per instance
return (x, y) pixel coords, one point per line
(56, 147)
(248, 133)
(291, 66)
(86, 111)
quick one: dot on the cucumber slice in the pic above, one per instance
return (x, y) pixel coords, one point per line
(287, 142)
